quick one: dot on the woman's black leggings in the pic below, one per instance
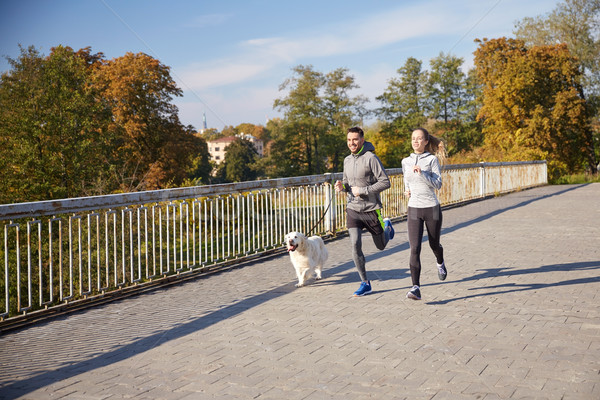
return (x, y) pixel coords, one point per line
(432, 217)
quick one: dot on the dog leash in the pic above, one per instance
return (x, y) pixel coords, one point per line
(322, 216)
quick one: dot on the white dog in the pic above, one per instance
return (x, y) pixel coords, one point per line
(307, 255)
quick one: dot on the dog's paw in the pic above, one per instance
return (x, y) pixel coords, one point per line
(318, 277)
(299, 284)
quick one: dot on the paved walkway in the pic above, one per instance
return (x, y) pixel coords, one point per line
(517, 318)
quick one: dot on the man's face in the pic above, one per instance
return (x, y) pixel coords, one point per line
(355, 142)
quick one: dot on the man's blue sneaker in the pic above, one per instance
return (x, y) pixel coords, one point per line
(388, 224)
(365, 288)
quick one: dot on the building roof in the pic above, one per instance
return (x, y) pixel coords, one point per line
(227, 139)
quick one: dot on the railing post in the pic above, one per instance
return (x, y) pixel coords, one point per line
(330, 222)
(482, 178)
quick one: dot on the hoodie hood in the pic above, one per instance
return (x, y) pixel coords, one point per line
(367, 146)
(415, 156)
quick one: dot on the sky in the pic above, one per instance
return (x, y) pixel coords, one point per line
(230, 57)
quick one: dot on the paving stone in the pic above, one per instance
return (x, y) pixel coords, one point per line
(517, 317)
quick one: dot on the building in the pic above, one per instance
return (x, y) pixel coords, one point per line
(216, 148)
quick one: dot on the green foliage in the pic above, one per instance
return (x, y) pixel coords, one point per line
(239, 161)
(443, 99)
(199, 167)
(50, 127)
(445, 89)
(318, 110)
(72, 124)
(405, 97)
(576, 179)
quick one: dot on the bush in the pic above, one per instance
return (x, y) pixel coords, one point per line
(576, 179)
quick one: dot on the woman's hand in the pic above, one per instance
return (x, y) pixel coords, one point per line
(339, 186)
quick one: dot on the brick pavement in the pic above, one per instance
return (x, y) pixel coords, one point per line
(517, 318)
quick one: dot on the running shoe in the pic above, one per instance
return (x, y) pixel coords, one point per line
(388, 224)
(365, 288)
(442, 271)
(414, 293)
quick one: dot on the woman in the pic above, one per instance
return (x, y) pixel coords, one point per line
(422, 176)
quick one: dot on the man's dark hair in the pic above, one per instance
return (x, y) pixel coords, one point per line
(357, 129)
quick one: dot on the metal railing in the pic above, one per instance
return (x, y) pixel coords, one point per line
(62, 252)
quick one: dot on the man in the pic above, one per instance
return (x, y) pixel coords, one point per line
(364, 178)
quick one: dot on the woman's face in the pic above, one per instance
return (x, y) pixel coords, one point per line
(418, 141)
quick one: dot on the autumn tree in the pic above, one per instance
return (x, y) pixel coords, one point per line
(531, 106)
(51, 121)
(73, 124)
(151, 147)
(575, 23)
(258, 131)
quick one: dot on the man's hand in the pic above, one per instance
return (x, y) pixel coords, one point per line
(355, 191)
(339, 186)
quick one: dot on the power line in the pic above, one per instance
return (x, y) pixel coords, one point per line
(156, 55)
(473, 27)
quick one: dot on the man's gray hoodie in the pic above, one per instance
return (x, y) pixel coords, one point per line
(364, 171)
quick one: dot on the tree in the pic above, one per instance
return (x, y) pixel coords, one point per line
(531, 106)
(452, 98)
(303, 119)
(50, 126)
(405, 97)
(577, 24)
(445, 88)
(465, 134)
(150, 143)
(318, 109)
(258, 131)
(239, 161)
(341, 111)
(404, 108)
(73, 124)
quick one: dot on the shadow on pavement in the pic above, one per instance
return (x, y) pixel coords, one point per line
(22, 387)
(520, 287)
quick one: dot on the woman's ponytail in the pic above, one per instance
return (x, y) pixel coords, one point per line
(434, 146)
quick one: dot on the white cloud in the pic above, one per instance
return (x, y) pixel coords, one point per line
(225, 72)
(372, 46)
(259, 55)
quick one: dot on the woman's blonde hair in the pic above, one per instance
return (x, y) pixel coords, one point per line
(434, 146)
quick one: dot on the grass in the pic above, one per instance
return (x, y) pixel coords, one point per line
(577, 179)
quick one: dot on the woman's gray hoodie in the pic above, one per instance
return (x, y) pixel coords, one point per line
(422, 186)
(365, 171)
